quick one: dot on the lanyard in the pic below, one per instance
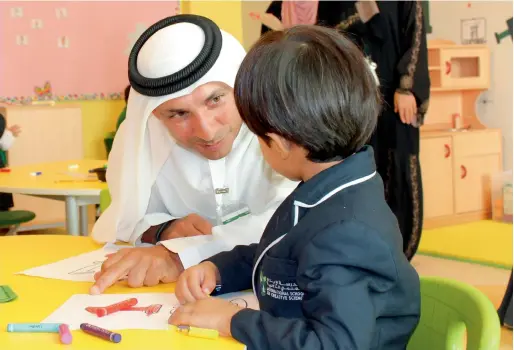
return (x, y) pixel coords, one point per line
(218, 183)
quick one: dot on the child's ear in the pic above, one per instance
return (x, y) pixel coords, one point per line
(281, 145)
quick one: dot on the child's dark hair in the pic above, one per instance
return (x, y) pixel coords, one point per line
(127, 92)
(312, 86)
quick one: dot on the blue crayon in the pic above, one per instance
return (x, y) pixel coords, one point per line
(33, 327)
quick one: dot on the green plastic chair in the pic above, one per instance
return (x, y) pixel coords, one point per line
(13, 219)
(454, 314)
(105, 199)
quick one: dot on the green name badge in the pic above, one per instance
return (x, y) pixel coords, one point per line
(235, 215)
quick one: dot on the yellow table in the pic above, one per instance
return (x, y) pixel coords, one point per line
(64, 181)
(39, 297)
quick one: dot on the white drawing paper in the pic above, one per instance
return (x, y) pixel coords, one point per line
(151, 311)
(80, 268)
(242, 299)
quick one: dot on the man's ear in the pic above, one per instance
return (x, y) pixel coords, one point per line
(280, 144)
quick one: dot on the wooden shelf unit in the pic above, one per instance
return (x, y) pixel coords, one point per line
(457, 165)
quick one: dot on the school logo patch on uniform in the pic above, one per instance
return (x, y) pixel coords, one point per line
(280, 290)
(263, 284)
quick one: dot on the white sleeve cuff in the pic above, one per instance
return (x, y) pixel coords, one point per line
(6, 140)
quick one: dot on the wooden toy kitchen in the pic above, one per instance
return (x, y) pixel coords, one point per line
(459, 155)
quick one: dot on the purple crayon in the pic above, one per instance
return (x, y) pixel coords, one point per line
(100, 332)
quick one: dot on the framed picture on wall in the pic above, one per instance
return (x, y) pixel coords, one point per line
(472, 31)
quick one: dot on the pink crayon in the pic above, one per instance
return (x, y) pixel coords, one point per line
(65, 334)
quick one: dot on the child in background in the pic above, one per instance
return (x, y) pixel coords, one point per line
(329, 271)
(7, 138)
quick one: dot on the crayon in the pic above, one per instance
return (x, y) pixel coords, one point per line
(107, 310)
(199, 332)
(33, 327)
(36, 173)
(100, 332)
(65, 334)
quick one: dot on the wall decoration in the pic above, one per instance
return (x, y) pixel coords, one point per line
(16, 12)
(22, 40)
(61, 12)
(507, 32)
(63, 42)
(80, 47)
(45, 91)
(473, 31)
(37, 24)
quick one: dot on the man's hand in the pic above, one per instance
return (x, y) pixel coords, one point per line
(15, 129)
(366, 9)
(405, 105)
(191, 225)
(142, 266)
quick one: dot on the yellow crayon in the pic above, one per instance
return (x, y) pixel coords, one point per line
(199, 332)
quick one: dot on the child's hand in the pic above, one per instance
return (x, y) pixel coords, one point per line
(212, 313)
(15, 129)
(196, 282)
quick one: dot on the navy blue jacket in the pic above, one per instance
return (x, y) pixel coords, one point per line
(329, 271)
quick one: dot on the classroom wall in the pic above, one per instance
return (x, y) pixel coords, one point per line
(99, 117)
(226, 14)
(494, 108)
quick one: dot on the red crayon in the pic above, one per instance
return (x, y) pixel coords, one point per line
(106, 310)
(100, 332)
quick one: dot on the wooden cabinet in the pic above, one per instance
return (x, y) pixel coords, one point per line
(457, 164)
(435, 154)
(456, 173)
(462, 67)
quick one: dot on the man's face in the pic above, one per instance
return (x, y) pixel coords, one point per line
(206, 121)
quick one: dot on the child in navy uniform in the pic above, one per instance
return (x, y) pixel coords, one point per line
(329, 271)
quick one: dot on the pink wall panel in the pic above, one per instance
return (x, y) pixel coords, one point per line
(98, 38)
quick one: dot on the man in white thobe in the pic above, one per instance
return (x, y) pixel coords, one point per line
(183, 164)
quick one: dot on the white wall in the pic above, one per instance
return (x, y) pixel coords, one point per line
(445, 18)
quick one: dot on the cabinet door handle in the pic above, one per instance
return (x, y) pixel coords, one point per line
(447, 151)
(463, 171)
(448, 67)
